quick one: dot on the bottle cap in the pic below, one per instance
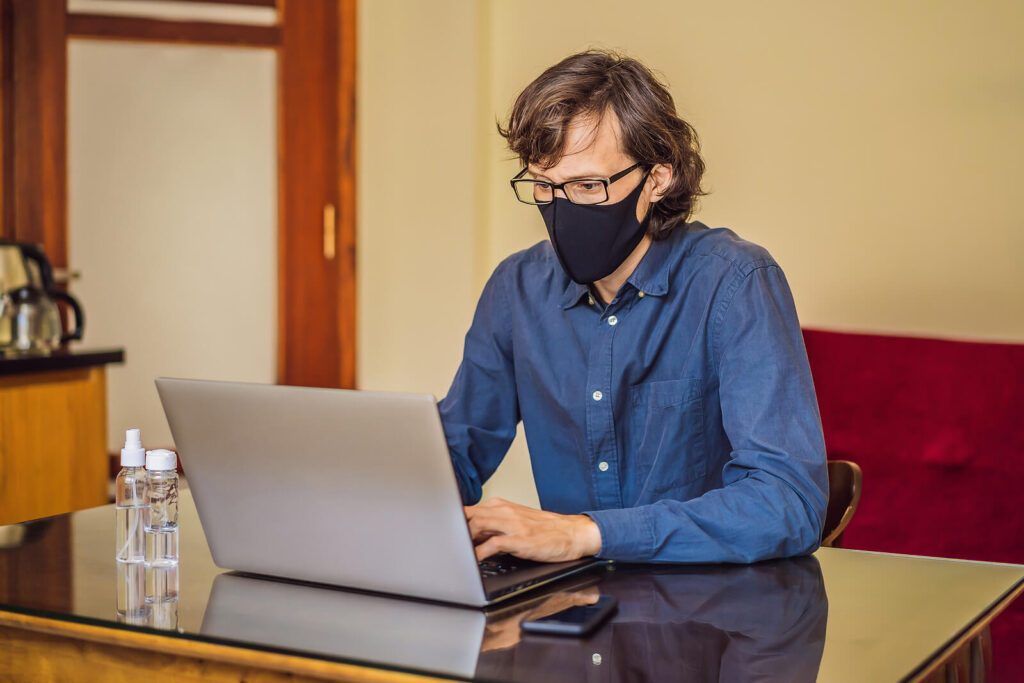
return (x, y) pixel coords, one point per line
(133, 454)
(161, 459)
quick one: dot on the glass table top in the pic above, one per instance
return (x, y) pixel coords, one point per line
(837, 615)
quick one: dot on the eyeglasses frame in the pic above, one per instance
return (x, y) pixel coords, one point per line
(518, 178)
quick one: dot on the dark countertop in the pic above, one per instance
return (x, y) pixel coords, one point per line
(59, 360)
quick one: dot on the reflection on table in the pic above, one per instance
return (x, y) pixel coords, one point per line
(764, 621)
(671, 623)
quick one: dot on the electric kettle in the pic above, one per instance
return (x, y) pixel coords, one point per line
(30, 322)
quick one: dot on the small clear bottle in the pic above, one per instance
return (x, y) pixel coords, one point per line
(162, 526)
(130, 504)
(130, 500)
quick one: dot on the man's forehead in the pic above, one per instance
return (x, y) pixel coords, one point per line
(592, 145)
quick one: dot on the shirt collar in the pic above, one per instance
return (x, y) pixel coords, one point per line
(573, 293)
(650, 275)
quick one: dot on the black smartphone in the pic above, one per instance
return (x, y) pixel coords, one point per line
(578, 620)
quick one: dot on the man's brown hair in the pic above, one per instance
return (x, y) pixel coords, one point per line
(592, 83)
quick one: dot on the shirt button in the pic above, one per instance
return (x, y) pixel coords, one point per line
(603, 466)
(641, 295)
(613, 321)
(590, 300)
(597, 395)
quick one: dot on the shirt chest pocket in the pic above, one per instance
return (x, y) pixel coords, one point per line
(666, 442)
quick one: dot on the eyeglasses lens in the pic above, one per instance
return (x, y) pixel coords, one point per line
(578, 191)
(586, 191)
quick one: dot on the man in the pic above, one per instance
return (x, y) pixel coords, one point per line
(657, 365)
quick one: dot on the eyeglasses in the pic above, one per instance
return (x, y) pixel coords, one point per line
(581, 191)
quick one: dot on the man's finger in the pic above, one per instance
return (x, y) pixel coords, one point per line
(483, 524)
(494, 510)
(480, 534)
(505, 543)
(491, 546)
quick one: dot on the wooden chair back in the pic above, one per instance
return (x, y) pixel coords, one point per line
(844, 481)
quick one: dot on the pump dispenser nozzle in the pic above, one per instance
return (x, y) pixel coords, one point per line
(133, 454)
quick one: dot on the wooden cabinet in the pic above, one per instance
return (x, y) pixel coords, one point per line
(53, 442)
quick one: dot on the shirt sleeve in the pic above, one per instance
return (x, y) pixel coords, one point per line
(481, 411)
(775, 484)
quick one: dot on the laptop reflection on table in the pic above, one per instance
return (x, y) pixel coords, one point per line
(340, 624)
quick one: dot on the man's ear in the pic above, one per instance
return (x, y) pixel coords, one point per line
(661, 178)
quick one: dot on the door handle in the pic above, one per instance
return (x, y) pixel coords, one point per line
(329, 232)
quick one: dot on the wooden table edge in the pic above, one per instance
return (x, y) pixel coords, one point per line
(980, 624)
(235, 655)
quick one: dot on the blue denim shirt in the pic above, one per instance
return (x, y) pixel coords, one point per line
(681, 417)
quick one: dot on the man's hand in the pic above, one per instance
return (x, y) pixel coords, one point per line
(497, 525)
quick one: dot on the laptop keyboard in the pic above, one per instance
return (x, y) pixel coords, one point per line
(502, 564)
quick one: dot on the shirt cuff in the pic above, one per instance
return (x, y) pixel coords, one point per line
(626, 534)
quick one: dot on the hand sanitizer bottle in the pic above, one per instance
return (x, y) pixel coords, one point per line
(131, 504)
(162, 525)
(131, 500)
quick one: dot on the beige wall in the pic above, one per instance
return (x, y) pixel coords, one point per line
(418, 207)
(424, 251)
(875, 148)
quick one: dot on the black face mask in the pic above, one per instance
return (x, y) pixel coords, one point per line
(591, 241)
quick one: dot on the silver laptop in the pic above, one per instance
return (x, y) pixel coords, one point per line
(347, 488)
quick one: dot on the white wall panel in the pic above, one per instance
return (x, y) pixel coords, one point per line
(172, 216)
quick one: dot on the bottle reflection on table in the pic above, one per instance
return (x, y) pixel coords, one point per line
(165, 615)
(162, 596)
(147, 596)
(131, 593)
(161, 583)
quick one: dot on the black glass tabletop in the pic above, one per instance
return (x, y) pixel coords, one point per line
(836, 615)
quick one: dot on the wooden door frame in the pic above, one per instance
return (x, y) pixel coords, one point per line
(316, 308)
(317, 200)
(33, 86)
